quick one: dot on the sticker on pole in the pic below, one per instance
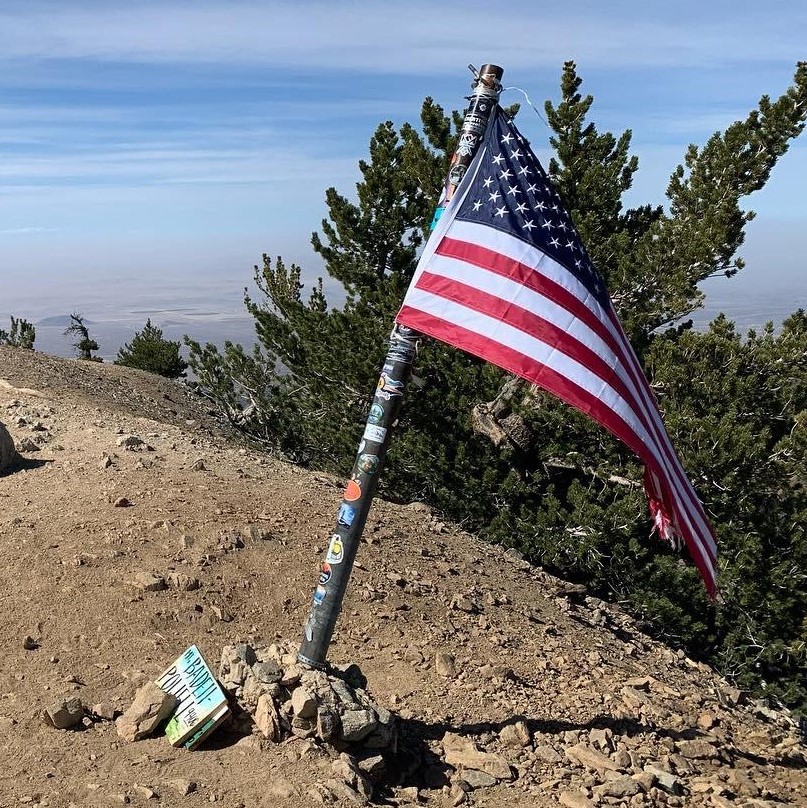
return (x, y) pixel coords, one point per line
(319, 595)
(346, 515)
(388, 387)
(375, 433)
(376, 414)
(336, 550)
(324, 573)
(368, 463)
(352, 491)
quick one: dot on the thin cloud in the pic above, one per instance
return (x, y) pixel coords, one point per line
(358, 36)
(20, 231)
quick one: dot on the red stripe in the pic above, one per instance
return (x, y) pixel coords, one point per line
(553, 382)
(632, 365)
(530, 323)
(533, 279)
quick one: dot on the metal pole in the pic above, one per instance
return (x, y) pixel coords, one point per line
(336, 567)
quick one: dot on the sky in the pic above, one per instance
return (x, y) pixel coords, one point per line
(151, 152)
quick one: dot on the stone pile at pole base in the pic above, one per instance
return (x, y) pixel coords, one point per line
(282, 699)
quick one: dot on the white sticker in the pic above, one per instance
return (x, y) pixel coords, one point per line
(375, 433)
(336, 550)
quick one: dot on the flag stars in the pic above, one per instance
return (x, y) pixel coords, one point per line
(506, 139)
(554, 242)
(477, 204)
(521, 207)
(540, 205)
(498, 158)
(525, 172)
(514, 190)
(529, 225)
(505, 174)
(488, 182)
(532, 187)
(494, 197)
(501, 211)
(515, 154)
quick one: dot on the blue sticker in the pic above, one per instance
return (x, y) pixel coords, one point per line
(376, 414)
(319, 595)
(346, 516)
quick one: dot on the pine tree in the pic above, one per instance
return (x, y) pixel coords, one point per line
(150, 352)
(84, 343)
(508, 461)
(22, 334)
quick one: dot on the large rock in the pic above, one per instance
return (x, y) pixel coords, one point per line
(64, 714)
(461, 753)
(357, 724)
(267, 719)
(149, 709)
(590, 758)
(8, 454)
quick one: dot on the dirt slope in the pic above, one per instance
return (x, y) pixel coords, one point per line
(585, 708)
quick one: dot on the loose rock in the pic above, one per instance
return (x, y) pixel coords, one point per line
(64, 714)
(149, 709)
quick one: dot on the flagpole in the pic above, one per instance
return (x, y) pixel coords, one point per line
(357, 498)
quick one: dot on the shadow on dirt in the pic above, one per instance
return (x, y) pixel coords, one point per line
(24, 464)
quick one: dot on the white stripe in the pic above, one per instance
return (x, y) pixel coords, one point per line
(534, 349)
(512, 291)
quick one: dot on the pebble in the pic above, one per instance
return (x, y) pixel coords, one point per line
(445, 664)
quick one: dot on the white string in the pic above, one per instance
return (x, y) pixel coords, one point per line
(534, 108)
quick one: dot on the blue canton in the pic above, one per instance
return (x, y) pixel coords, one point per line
(512, 193)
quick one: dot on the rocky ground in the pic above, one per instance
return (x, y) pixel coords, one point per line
(132, 527)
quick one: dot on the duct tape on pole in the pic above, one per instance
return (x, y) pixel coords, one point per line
(343, 543)
(485, 91)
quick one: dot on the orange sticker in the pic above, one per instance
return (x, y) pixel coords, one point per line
(353, 491)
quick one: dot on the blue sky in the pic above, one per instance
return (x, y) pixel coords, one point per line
(151, 152)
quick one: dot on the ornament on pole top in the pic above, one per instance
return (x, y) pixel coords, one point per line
(487, 80)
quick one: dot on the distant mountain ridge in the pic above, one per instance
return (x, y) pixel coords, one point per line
(61, 320)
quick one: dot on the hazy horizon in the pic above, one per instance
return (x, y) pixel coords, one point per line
(197, 315)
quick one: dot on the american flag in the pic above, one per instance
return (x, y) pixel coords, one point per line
(505, 276)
